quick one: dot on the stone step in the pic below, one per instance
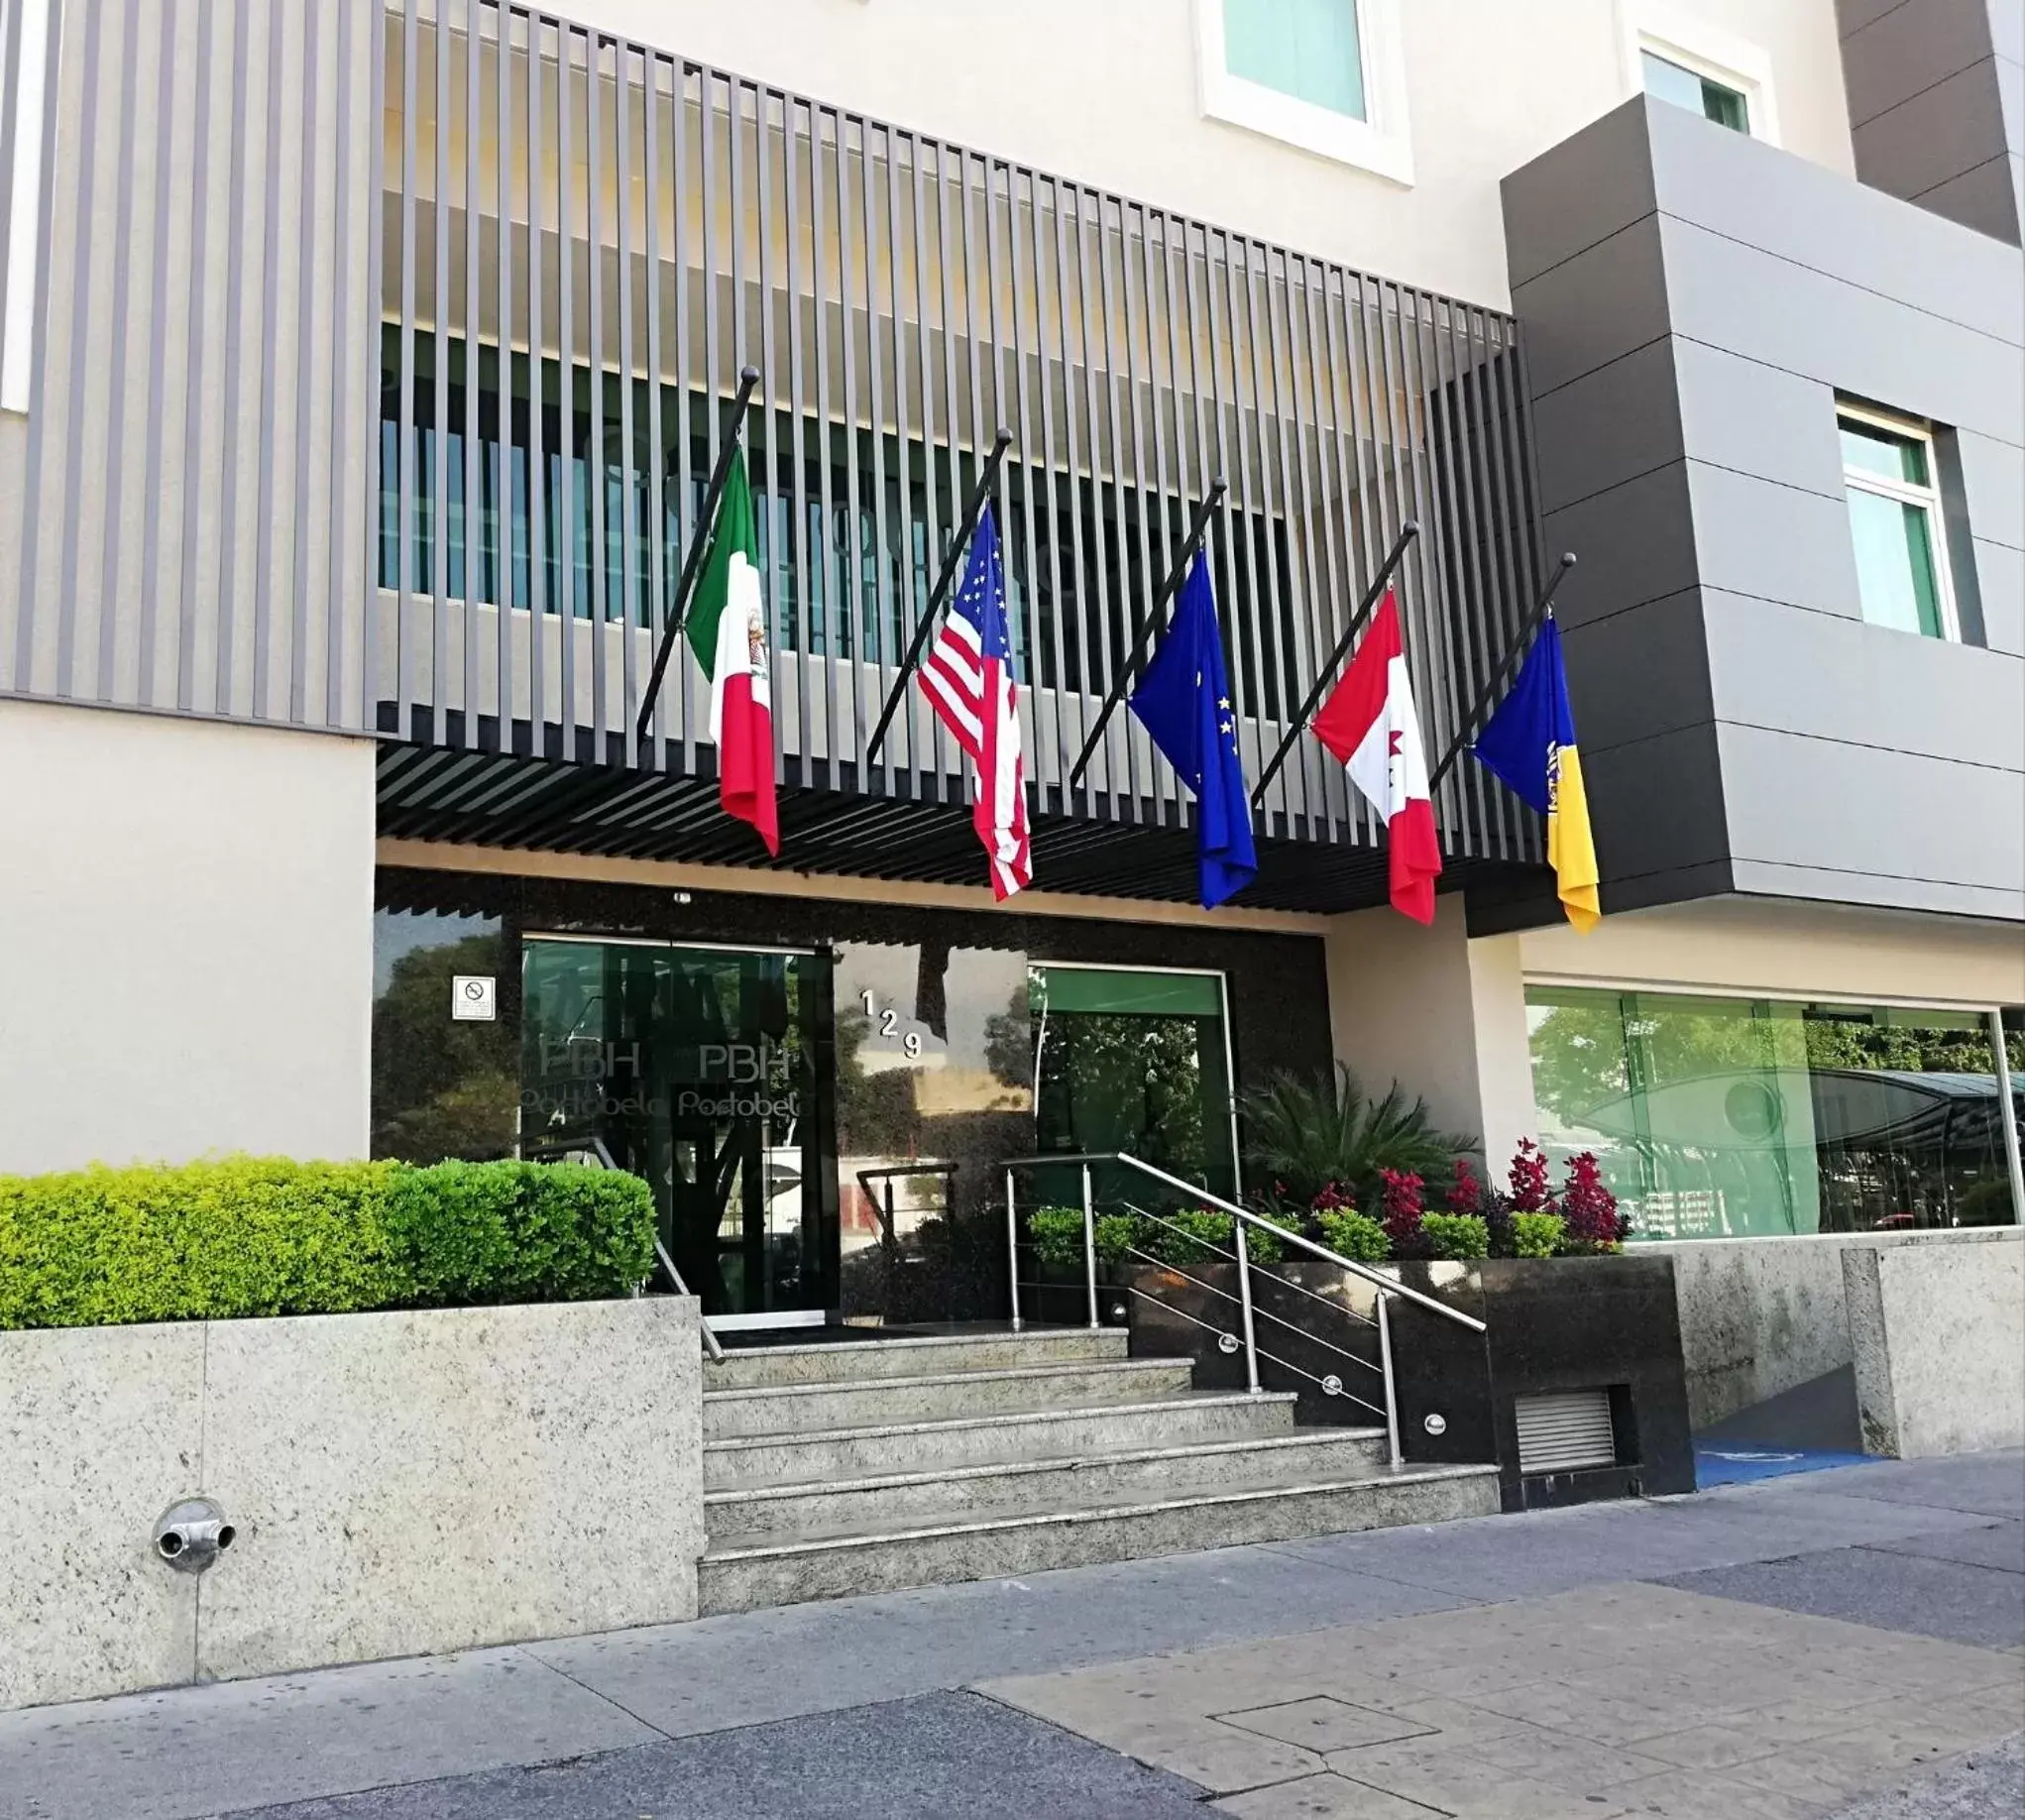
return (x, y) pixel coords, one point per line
(897, 1501)
(764, 1367)
(745, 1578)
(955, 1442)
(799, 1409)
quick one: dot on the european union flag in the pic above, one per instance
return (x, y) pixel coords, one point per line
(1530, 743)
(1183, 701)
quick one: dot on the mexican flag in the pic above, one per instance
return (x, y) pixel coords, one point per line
(727, 628)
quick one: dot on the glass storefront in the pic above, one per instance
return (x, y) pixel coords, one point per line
(703, 1070)
(825, 1129)
(1731, 1117)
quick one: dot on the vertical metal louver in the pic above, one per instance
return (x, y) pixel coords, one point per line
(1565, 1431)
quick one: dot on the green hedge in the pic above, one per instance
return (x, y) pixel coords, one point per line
(261, 1235)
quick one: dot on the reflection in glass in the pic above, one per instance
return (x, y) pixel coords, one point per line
(696, 1069)
(1729, 1118)
(441, 1086)
(934, 1089)
(1134, 1062)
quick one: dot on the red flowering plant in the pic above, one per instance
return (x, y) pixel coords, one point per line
(1591, 1211)
(1403, 1202)
(1529, 1179)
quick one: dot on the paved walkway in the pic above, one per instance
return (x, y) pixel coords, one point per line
(1759, 1652)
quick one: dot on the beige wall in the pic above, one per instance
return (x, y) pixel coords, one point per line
(186, 916)
(1791, 951)
(1440, 1014)
(1108, 93)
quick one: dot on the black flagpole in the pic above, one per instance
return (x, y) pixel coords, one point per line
(1470, 728)
(1365, 607)
(1137, 661)
(678, 610)
(973, 508)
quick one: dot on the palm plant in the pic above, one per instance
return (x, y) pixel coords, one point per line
(1303, 1133)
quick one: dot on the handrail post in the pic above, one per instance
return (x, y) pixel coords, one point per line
(1090, 1243)
(1391, 1400)
(1244, 1261)
(1012, 1249)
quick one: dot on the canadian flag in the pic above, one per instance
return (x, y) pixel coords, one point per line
(1369, 723)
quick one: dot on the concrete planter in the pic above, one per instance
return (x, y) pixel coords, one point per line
(399, 1484)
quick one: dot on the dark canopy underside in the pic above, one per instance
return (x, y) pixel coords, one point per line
(490, 799)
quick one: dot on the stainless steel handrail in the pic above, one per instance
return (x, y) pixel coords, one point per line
(1242, 1218)
(596, 1146)
(710, 1340)
(1250, 1218)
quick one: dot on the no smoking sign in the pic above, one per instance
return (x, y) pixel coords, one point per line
(473, 998)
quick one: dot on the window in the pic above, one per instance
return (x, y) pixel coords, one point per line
(1734, 1118)
(1326, 75)
(1685, 88)
(1895, 524)
(1680, 57)
(25, 30)
(1307, 49)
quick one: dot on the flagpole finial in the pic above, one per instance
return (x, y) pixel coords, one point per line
(1411, 527)
(748, 376)
(1568, 559)
(1003, 439)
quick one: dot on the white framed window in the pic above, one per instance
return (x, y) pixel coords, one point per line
(1686, 61)
(25, 27)
(1895, 522)
(1326, 75)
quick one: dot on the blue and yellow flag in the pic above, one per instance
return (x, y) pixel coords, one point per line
(1530, 743)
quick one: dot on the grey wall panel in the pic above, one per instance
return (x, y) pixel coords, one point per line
(2000, 580)
(1614, 172)
(1636, 544)
(1875, 813)
(1779, 543)
(1820, 885)
(1595, 308)
(1742, 728)
(191, 514)
(1656, 807)
(1993, 482)
(1912, 48)
(1639, 673)
(1933, 135)
(1847, 335)
(1749, 191)
(1828, 678)
(1622, 418)
(1988, 198)
(1742, 414)
(1934, 101)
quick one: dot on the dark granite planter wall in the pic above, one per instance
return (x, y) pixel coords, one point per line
(1554, 1325)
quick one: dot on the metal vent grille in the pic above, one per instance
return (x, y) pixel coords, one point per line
(1565, 1431)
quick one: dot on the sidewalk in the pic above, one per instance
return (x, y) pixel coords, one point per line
(1763, 1651)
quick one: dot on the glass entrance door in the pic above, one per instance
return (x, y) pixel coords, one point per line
(706, 1072)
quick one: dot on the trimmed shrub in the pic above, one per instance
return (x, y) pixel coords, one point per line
(1187, 1237)
(263, 1235)
(1458, 1236)
(1356, 1236)
(1056, 1233)
(1537, 1235)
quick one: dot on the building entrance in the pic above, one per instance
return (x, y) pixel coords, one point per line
(705, 1071)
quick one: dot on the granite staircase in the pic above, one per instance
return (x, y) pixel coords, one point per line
(866, 1466)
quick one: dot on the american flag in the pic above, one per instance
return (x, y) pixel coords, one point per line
(968, 681)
